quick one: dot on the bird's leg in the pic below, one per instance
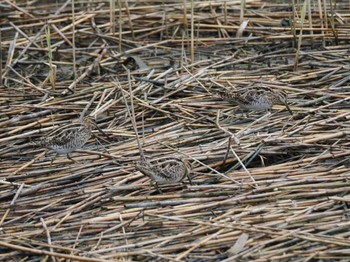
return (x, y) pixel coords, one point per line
(158, 188)
(155, 184)
(189, 179)
(71, 159)
(288, 108)
(190, 167)
(102, 146)
(238, 113)
(52, 159)
(244, 112)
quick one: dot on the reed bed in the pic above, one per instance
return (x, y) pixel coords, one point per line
(266, 186)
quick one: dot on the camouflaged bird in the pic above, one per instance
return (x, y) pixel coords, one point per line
(160, 170)
(164, 170)
(256, 98)
(67, 138)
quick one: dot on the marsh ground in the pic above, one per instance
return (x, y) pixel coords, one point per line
(267, 186)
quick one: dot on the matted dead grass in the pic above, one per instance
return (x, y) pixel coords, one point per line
(267, 186)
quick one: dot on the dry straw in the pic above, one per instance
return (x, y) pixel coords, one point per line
(266, 187)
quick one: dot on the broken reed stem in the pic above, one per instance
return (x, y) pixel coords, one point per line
(88, 105)
(52, 74)
(0, 58)
(192, 32)
(302, 19)
(243, 166)
(74, 47)
(120, 18)
(112, 16)
(126, 4)
(241, 13)
(132, 116)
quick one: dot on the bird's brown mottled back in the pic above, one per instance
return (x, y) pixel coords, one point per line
(165, 170)
(256, 98)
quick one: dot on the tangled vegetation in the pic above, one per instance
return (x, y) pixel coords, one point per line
(265, 186)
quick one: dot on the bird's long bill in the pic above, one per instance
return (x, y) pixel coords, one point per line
(287, 106)
(101, 131)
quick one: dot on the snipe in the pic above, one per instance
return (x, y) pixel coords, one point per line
(67, 138)
(164, 170)
(256, 98)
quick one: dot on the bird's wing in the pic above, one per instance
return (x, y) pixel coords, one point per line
(64, 137)
(228, 95)
(164, 171)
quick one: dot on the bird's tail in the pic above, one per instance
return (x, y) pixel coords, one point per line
(38, 143)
